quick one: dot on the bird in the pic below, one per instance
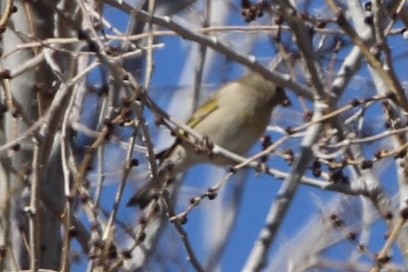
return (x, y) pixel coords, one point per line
(234, 117)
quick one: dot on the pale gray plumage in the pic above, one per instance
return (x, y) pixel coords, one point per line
(234, 118)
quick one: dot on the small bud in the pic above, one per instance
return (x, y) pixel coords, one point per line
(112, 252)
(320, 24)
(278, 20)
(5, 74)
(307, 116)
(355, 102)
(361, 247)
(368, 5)
(388, 215)
(16, 147)
(134, 162)
(182, 219)
(404, 213)
(3, 251)
(401, 153)
(211, 195)
(126, 101)
(232, 169)
(351, 236)
(366, 164)
(384, 260)
(127, 254)
(369, 19)
(289, 130)
(72, 232)
(141, 237)
(392, 96)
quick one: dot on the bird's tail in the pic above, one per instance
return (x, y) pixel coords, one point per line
(153, 189)
(144, 196)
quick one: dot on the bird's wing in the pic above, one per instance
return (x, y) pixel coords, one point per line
(202, 112)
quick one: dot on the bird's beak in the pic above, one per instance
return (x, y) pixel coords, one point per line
(284, 99)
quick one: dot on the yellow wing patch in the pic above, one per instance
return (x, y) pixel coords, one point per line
(202, 112)
(199, 115)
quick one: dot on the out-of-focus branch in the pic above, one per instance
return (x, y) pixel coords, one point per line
(384, 71)
(259, 254)
(214, 43)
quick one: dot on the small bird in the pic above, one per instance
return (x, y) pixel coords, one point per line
(234, 117)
